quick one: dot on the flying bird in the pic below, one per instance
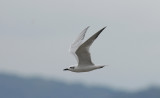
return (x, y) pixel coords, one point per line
(81, 52)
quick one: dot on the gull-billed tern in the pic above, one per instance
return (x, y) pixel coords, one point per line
(81, 52)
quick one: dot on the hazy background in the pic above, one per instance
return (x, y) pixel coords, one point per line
(35, 36)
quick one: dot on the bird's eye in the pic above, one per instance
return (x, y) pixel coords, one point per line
(71, 67)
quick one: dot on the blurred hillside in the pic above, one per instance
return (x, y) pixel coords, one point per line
(17, 87)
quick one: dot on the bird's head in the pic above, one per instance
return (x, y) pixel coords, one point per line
(70, 68)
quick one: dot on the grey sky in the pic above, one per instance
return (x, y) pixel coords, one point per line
(35, 36)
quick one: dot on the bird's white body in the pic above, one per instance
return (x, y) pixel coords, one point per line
(87, 68)
(81, 52)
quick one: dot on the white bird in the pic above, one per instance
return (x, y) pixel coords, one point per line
(81, 52)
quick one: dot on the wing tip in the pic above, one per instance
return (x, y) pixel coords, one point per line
(101, 29)
(104, 27)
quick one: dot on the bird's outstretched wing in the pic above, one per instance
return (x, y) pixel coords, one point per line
(83, 53)
(76, 44)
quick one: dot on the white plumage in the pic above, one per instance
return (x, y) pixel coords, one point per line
(81, 52)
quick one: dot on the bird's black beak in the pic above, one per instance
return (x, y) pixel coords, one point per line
(65, 69)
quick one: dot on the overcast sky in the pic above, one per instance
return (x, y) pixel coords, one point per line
(35, 36)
